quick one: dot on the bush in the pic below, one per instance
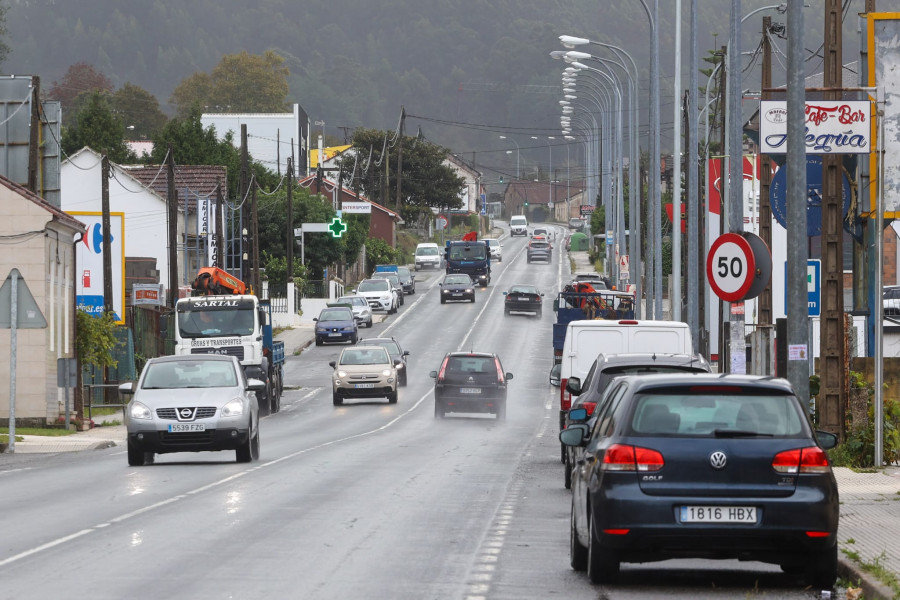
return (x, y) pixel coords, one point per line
(858, 447)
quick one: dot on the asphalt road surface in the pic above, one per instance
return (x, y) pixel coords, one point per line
(366, 500)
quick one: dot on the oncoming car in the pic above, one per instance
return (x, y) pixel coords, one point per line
(380, 294)
(703, 466)
(397, 354)
(192, 404)
(457, 286)
(336, 324)
(364, 372)
(360, 307)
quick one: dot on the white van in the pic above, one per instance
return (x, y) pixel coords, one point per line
(427, 255)
(585, 340)
(518, 225)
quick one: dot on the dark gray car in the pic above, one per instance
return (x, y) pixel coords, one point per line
(539, 250)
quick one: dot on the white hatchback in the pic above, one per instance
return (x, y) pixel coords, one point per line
(496, 248)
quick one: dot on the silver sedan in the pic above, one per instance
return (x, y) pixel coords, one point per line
(192, 404)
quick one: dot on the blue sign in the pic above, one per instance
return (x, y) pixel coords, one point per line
(778, 196)
(813, 286)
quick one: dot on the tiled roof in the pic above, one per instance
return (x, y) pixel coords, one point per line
(536, 192)
(191, 181)
(329, 185)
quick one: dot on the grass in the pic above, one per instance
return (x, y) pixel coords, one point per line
(877, 568)
(50, 432)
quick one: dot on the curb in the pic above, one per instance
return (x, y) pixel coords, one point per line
(872, 588)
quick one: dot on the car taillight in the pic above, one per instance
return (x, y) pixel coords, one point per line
(440, 376)
(801, 460)
(499, 370)
(621, 457)
(589, 407)
(565, 398)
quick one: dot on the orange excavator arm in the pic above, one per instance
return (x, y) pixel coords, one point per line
(214, 281)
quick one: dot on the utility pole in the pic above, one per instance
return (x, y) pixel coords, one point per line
(400, 158)
(245, 209)
(724, 367)
(107, 234)
(832, 360)
(676, 174)
(172, 222)
(218, 260)
(254, 240)
(765, 177)
(34, 155)
(290, 219)
(695, 288)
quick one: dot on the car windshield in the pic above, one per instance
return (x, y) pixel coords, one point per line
(373, 285)
(539, 244)
(364, 356)
(467, 252)
(429, 251)
(392, 277)
(404, 272)
(354, 300)
(471, 366)
(522, 289)
(457, 280)
(189, 374)
(336, 314)
(719, 413)
(215, 322)
(391, 346)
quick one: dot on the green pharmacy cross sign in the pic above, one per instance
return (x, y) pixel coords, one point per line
(337, 227)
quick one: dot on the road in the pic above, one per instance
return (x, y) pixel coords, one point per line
(366, 500)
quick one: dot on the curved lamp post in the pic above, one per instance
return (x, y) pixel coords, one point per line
(503, 137)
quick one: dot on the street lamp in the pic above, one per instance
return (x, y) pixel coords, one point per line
(503, 137)
(549, 168)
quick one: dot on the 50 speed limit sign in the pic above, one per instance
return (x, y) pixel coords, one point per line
(730, 267)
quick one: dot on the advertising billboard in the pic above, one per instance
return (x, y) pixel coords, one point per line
(89, 264)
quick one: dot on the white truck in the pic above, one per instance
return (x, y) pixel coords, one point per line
(236, 325)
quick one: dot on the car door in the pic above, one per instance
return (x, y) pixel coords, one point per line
(588, 466)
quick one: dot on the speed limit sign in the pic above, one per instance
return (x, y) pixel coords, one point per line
(730, 267)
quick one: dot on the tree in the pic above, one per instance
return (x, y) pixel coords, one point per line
(78, 79)
(97, 126)
(239, 83)
(427, 182)
(139, 110)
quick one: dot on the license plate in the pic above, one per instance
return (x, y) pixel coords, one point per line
(186, 427)
(334, 335)
(454, 295)
(469, 390)
(364, 386)
(718, 514)
(523, 299)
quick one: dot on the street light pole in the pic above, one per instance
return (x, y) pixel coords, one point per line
(549, 169)
(503, 137)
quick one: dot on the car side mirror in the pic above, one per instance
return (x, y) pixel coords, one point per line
(826, 439)
(509, 376)
(433, 374)
(554, 375)
(332, 364)
(406, 353)
(127, 388)
(255, 385)
(573, 386)
(574, 435)
(505, 293)
(315, 319)
(578, 415)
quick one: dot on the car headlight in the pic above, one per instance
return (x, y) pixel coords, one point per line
(234, 408)
(386, 373)
(445, 291)
(320, 329)
(140, 411)
(471, 290)
(341, 374)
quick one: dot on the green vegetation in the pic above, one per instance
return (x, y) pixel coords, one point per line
(858, 448)
(47, 431)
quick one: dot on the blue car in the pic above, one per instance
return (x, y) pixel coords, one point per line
(336, 324)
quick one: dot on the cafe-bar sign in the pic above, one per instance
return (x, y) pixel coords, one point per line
(832, 127)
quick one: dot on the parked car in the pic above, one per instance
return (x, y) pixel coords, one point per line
(395, 283)
(380, 294)
(706, 466)
(589, 394)
(359, 306)
(457, 286)
(539, 249)
(523, 298)
(891, 298)
(496, 248)
(336, 324)
(470, 382)
(407, 280)
(397, 354)
(192, 403)
(427, 255)
(363, 372)
(576, 223)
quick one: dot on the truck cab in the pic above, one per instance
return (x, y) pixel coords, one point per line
(470, 257)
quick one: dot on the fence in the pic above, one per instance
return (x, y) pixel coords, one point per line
(97, 395)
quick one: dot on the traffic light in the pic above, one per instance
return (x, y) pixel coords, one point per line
(526, 203)
(501, 179)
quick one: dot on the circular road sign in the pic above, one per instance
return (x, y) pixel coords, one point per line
(730, 267)
(441, 222)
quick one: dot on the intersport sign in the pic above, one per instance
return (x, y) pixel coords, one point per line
(832, 127)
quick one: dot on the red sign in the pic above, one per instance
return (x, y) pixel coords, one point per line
(730, 267)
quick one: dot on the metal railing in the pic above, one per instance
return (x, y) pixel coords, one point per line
(96, 396)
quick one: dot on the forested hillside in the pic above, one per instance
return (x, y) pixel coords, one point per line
(354, 62)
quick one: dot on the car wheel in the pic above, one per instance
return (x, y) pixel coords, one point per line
(499, 259)
(392, 397)
(578, 554)
(354, 339)
(602, 563)
(501, 411)
(443, 301)
(438, 410)
(254, 446)
(402, 301)
(318, 341)
(567, 476)
(244, 453)
(562, 453)
(262, 399)
(135, 456)
(528, 260)
(821, 570)
(336, 399)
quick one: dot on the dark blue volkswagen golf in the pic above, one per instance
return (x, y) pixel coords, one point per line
(703, 466)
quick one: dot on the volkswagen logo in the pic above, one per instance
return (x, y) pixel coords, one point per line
(186, 413)
(717, 460)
